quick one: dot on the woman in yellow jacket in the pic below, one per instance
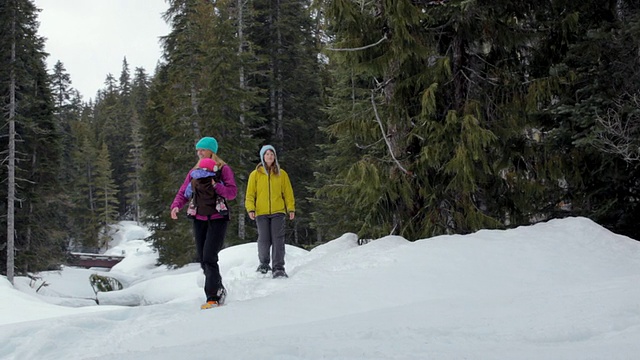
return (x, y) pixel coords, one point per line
(268, 200)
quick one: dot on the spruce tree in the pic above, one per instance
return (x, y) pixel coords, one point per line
(33, 208)
(289, 73)
(162, 176)
(86, 223)
(106, 200)
(590, 55)
(134, 185)
(113, 123)
(140, 91)
(68, 110)
(134, 182)
(428, 109)
(196, 93)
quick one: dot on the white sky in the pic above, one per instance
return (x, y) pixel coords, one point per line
(565, 289)
(92, 37)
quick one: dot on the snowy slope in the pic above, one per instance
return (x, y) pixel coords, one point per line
(565, 289)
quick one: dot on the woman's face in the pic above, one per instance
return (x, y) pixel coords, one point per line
(269, 157)
(203, 153)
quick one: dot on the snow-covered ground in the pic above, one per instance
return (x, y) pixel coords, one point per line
(564, 289)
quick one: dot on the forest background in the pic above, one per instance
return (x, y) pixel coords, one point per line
(408, 117)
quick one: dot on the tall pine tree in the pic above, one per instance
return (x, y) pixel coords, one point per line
(198, 92)
(427, 118)
(284, 37)
(25, 87)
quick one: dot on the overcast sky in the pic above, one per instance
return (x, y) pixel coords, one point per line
(92, 37)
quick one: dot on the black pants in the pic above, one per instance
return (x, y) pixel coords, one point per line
(209, 237)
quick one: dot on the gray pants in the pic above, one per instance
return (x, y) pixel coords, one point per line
(271, 235)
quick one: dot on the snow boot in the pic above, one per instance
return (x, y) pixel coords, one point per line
(279, 273)
(222, 296)
(263, 268)
(211, 302)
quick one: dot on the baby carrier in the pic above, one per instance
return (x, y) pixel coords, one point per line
(204, 200)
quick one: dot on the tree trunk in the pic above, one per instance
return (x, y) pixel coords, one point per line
(194, 111)
(11, 193)
(280, 101)
(91, 186)
(242, 231)
(458, 73)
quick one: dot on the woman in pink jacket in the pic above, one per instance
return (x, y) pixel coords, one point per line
(209, 222)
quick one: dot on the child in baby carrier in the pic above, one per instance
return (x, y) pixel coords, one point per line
(201, 193)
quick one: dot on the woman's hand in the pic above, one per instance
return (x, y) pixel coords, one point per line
(174, 213)
(252, 215)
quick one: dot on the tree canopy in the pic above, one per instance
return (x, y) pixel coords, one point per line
(406, 117)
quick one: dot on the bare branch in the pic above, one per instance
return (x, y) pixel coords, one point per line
(364, 147)
(384, 135)
(384, 37)
(619, 134)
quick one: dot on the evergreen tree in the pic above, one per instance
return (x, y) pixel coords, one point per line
(84, 213)
(134, 182)
(106, 204)
(140, 91)
(590, 53)
(174, 116)
(61, 87)
(113, 123)
(427, 118)
(198, 92)
(125, 82)
(68, 107)
(161, 176)
(24, 86)
(285, 43)
(134, 185)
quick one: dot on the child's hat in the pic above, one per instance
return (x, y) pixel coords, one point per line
(206, 163)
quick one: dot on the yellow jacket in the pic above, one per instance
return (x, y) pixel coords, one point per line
(269, 194)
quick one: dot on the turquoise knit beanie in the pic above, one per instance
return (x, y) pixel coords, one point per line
(208, 143)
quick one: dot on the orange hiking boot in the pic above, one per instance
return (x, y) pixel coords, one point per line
(209, 304)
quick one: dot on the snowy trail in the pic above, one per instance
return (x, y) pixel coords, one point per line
(563, 290)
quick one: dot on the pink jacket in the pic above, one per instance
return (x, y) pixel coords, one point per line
(226, 188)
